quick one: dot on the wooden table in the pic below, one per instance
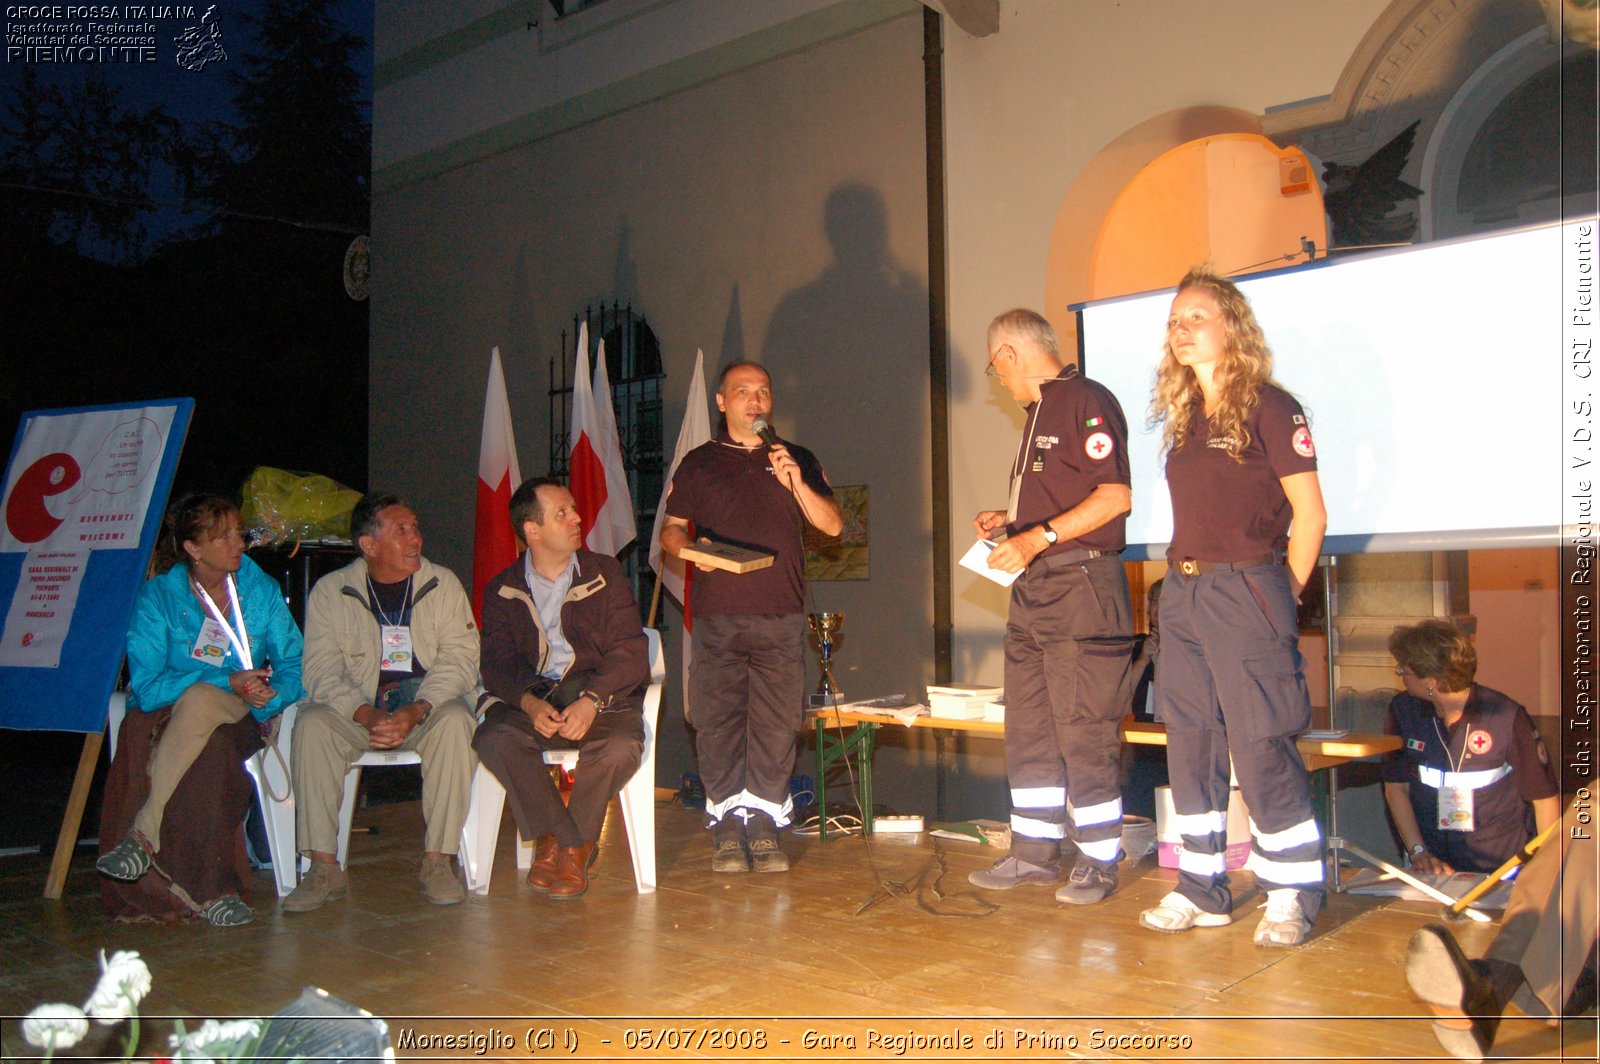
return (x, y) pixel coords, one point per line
(846, 733)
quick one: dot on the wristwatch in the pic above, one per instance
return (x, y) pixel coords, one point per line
(1050, 536)
(1418, 850)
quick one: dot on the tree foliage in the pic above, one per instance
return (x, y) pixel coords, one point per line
(300, 150)
(77, 164)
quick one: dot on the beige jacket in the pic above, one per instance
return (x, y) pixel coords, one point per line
(340, 665)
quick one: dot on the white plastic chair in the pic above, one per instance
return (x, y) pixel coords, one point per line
(270, 778)
(638, 800)
(280, 815)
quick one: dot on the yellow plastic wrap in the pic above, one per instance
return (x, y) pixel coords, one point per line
(284, 507)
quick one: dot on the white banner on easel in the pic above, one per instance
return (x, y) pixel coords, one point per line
(41, 609)
(82, 481)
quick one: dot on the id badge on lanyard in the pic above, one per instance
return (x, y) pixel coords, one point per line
(1455, 809)
(395, 640)
(216, 634)
(211, 645)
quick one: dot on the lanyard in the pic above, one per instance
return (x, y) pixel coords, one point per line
(1450, 759)
(1020, 465)
(405, 605)
(240, 639)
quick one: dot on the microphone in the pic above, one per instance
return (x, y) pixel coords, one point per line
(764, 430)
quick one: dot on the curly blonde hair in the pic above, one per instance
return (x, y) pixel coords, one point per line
(1245, 366)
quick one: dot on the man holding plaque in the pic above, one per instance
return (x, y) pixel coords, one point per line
(750, 490)
(1069, 631)
(564, 665)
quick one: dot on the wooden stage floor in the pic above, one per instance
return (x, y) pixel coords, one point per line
(711, 965)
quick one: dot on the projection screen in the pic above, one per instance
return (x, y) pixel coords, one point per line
(1430, 375)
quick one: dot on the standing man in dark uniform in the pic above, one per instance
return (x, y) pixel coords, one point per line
(748, 489)
(1069, 636)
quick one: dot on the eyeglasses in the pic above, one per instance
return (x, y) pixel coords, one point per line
(990, 371)
(1401, 670)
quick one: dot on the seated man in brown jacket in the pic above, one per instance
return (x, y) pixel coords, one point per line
(564, 663)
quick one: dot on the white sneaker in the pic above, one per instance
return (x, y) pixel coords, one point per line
(1175, 913)
(1284, 923)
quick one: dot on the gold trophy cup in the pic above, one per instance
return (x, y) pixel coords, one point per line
(825, 626)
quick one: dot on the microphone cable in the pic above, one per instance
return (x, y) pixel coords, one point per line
(907, 893)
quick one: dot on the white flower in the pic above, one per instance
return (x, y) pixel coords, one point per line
(55, 1026)
(232, 1038)
(124, 981)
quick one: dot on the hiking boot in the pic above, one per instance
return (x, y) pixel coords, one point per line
(324, 883)
(1088, 883)
(545, 857)
(729, 856)
(1011, 872)
(1284, 923)
(765, 855)
(1175, 913)
(572, 871)
(440, 882)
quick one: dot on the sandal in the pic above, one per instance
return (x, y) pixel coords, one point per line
(228, 911)
(127, 861)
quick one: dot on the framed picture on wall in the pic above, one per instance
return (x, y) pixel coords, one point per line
(841, 557)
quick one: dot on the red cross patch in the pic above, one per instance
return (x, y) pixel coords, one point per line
(1302, 443)
(1098, 446)
(1480, 742)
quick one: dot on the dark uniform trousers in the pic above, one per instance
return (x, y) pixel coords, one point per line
(748, 681)
(509, 747)
(1229, 679)
(1069, 652)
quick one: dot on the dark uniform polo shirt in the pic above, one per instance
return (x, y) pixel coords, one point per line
(1225, 510)
(1493, 730)
(1074, 440)
(730, 495)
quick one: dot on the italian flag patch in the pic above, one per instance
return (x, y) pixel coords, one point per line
(1415, 744)
(1092, 422)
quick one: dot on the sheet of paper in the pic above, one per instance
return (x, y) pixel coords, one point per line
(977, 559)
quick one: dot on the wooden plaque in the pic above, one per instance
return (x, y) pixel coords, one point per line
(722, 556)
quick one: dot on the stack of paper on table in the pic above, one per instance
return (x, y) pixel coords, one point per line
(961, 701)
(994, 712)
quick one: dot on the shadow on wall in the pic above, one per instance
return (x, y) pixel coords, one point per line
(848, 355)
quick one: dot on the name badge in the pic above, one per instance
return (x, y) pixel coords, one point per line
(396, 645)
(211, 645)
(1455, 809)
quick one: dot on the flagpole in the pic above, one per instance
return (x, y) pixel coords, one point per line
(655, 602)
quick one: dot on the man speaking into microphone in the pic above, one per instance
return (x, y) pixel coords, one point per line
(749, 489)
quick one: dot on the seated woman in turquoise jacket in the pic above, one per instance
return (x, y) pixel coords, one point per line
(213, 655)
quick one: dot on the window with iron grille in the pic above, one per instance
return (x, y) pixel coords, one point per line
(633, 365)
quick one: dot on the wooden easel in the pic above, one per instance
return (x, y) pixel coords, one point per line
(72, 818)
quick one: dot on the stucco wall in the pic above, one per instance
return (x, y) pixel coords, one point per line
(775, 214)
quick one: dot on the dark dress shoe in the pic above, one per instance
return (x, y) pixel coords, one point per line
(543, 872)
(572, 871)
(1461, 997)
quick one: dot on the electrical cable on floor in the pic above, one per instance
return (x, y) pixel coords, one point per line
(910, 893)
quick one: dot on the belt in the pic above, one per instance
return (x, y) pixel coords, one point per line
(1190, 567)
(1439, 779)
(1072, 557)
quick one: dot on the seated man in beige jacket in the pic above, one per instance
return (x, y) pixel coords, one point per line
(391, 663)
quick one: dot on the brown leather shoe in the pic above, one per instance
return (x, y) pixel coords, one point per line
(543, 872)
(572, 871)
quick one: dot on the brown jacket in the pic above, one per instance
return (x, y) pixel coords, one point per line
(598, 618)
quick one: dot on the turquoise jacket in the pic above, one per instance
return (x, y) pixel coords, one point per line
(166, 622)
